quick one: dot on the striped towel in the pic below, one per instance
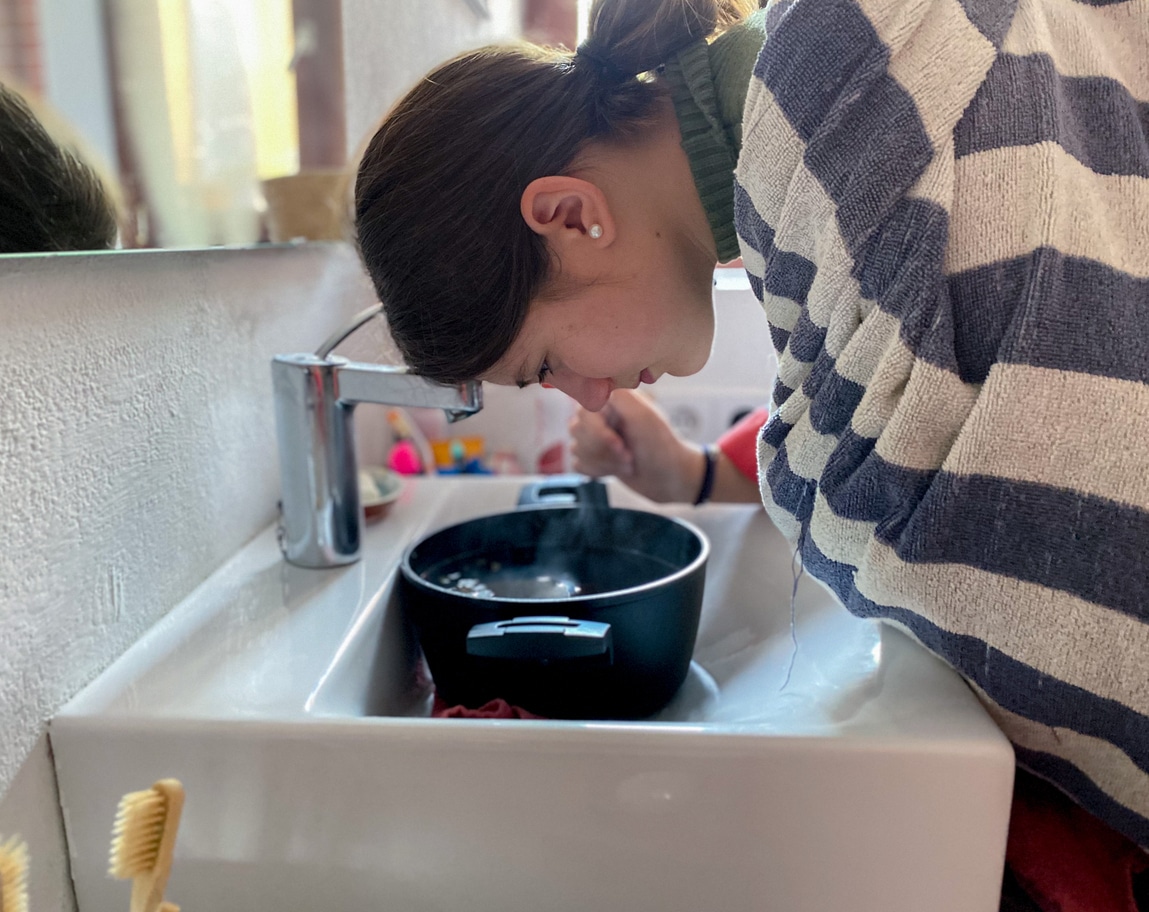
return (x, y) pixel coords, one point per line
(944, 207)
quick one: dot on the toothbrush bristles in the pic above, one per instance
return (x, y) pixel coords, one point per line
(136, 833)
(14, 875)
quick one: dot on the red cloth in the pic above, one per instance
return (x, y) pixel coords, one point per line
(1065, 858)
(495, 709)
(740, 443)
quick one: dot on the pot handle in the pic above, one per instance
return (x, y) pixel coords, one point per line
(562, 490)
(541, 639)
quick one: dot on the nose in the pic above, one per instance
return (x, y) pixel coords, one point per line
(591, 393)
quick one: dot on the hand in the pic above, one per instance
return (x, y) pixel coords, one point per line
(632, 440)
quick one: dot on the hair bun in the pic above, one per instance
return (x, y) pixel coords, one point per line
(605, 70)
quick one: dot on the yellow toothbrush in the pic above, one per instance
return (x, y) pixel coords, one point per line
(144, 841)
(13, 875)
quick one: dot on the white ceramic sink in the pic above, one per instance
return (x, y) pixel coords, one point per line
(851, 771)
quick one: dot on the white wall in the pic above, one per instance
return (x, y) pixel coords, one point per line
(137, 453)
(389, 45)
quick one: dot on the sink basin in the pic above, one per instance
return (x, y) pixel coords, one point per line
(811, 761)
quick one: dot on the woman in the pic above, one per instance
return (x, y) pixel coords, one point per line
(533, 159)
(944, 208)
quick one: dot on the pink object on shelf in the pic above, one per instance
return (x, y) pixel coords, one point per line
(404, 459)
(552, 460)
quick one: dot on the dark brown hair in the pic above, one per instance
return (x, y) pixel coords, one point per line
(50, 198)
(437, 194)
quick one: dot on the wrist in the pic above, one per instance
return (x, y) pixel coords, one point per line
(706, 484)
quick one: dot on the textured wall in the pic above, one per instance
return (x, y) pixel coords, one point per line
(137, 453)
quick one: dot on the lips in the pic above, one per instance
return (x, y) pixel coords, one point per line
(646, 376)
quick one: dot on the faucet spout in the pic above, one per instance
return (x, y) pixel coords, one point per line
(315, 399)
(389, 385)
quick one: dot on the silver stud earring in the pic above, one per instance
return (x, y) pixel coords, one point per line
(595, 231)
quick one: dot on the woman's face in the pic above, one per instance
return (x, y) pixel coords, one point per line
(634, 300)
(622, 330)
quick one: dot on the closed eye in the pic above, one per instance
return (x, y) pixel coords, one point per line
(540, 377)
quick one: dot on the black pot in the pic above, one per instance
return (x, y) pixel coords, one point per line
(566, 606)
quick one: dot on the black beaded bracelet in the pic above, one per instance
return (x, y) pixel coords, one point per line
(710, 451)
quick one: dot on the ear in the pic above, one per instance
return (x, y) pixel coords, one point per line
(562, 209)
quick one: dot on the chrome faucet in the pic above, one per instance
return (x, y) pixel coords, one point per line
(321, 520)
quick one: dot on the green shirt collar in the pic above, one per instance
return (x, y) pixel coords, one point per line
(708, 84)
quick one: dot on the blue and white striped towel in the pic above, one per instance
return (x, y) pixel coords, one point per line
(944, 206)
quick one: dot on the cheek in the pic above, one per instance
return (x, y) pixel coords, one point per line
(685, 330)
(601, 355)
(621, 341)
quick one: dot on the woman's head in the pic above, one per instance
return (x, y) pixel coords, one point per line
(441, 219)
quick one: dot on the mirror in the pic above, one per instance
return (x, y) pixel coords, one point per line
(224, 123)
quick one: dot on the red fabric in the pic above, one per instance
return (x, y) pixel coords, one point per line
(1065, 858)
(740, 443)
(495, 709)
(552, 460)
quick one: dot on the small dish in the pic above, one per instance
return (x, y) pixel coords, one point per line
(379, 488)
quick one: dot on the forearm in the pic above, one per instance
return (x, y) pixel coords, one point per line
(731, 485)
